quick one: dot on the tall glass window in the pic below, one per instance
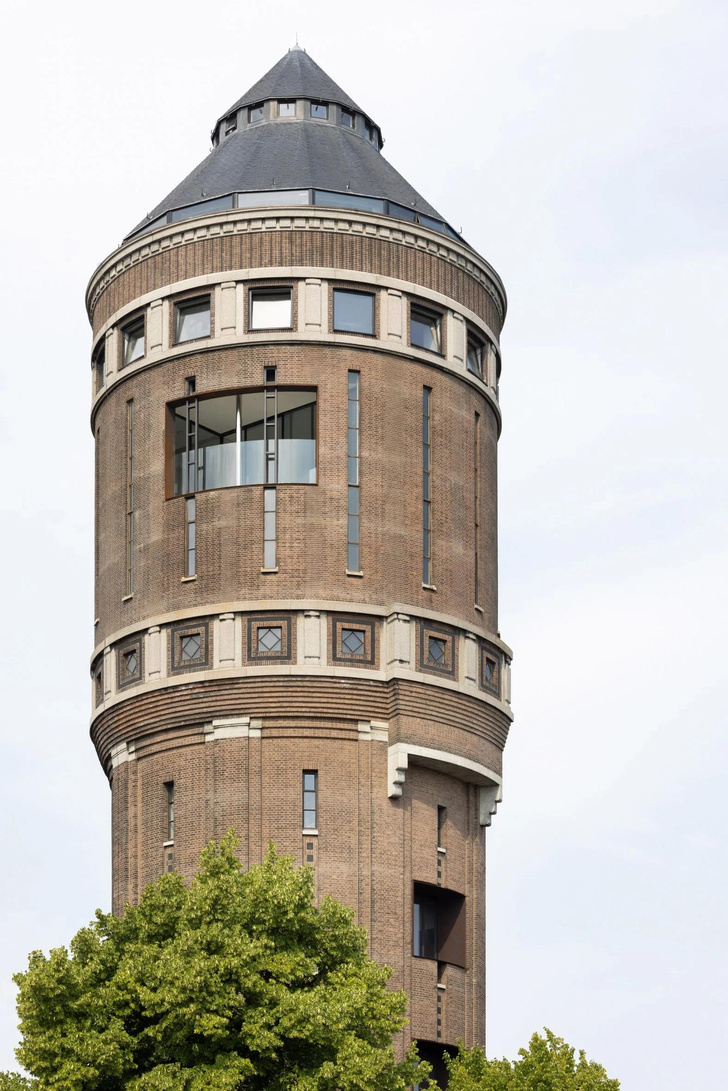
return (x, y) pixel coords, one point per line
(99, 362)
(310, 799)
(169, 796)
(130, 498)
(249, 438)
(425, 926)
(475, 356)
(353, 311)
(269, 528)
(353, 557)
(190, 536)
(476, 506)
(426, 486)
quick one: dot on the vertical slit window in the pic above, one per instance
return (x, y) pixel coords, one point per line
(441, 819)
(269, 528)
(130, 498)
(353, 559)
(310, 799)
(476, 507)
(190, 536)
(426, 486)
(169, 801)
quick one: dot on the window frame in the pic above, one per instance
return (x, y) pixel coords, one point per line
(286, 102)
(251, 110)
(138, 321)
(270, 289)
(178, 310)
(308, 791)
(417, 308)
(318, 104)
(345, 289)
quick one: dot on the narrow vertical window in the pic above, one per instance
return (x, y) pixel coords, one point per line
(269, 528)
(441, 819)
(426, 487)
(169, 800)
(190, 536)
(476, 507)
(353, 560)
(130, 498)
(310, 799)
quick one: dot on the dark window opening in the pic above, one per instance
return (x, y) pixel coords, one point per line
(441, 820)
(475, 357)
(434, 1054)
(99, 365)
(255, 113)
(439, 924)
(169, 797)
(320, 110)
(231, 124)
(347, 118)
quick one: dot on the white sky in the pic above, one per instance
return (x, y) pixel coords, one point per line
(582, 148)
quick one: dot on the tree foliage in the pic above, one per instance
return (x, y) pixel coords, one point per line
(549, 1064)
(235, 981)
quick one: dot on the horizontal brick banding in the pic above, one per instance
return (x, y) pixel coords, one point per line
(286, 248)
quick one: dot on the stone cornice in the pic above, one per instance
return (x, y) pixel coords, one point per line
(315, 218)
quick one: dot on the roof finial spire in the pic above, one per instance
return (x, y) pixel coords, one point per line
(297, 46)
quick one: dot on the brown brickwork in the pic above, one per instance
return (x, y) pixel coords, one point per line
(235, 728)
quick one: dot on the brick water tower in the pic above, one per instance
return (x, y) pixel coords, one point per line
(295, 366)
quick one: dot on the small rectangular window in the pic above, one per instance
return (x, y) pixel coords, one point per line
(287, 109)
(425, 926)
(353, 311)
(169, 797)
(425, 332)
(192, 319)
(255, 113)
(310, 799)
(231, 124)
(270, 309)
(347, 118)
(133, 341)
(320, 110)
(371, 133)
(269, 528)
(190, 536)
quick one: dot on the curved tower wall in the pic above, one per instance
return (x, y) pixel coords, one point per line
(223, 671)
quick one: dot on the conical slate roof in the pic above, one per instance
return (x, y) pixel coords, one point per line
(295, 76)
(332, 161)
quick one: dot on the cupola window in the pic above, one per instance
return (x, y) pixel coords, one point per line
(320, 110)
(255, 113)
(287, 109)
(231, 124)
(347, 119)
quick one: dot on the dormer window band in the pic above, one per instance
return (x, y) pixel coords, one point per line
(324, 198)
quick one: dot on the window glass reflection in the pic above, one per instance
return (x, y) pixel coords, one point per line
(353, 311)
(270, 309)
(192, 319)
(246, 438)
(425, 329)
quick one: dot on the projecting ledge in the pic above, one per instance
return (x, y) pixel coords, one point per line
(402, 755)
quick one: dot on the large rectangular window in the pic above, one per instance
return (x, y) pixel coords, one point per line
(426, 486)
(353, 311)
(425, 331)
(250, 438)
(310, 799)
(270, 309)
(130, 498)
(353, 557)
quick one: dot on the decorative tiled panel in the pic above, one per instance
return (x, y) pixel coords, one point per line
(130, 661)
(437, 649)
(490, 669)
(190, 647)
(269, 639)
(353, 641)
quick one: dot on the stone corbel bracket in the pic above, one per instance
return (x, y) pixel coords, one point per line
(402, 755)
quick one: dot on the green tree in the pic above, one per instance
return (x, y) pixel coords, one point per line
(235, 981)
(549, 1064)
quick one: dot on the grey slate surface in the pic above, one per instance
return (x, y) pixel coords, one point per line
(293, 155)
(294, 76)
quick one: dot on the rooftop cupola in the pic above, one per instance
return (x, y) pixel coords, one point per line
(295, 138)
